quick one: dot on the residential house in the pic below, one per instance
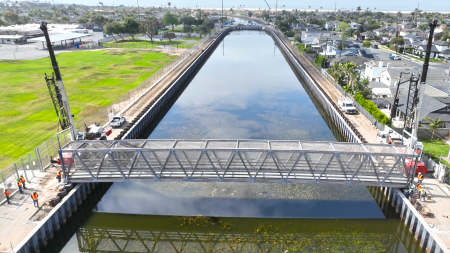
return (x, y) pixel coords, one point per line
(368, 35)
(358, 60)
(354, 25)
(433, 108)
(331, 25)
(390, 76)
(312, 32)
(374, 68)
(405, 32)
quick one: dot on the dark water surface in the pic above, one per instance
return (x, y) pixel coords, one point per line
(246, 90)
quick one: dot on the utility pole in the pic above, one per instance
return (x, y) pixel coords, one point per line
(276, 12)
(139, 12)
(223, 21)
(335, 6)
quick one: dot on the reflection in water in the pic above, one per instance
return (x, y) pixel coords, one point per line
(244, 92)
(274, 200)
(207, 234)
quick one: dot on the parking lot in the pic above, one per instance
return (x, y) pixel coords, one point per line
(34, 50)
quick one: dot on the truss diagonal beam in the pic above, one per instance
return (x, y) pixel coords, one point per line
(238, 161)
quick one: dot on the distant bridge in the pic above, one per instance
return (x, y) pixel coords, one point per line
(237, 161)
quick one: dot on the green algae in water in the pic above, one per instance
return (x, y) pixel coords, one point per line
(136, 233)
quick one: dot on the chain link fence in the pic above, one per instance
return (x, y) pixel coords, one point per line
(118, 107)
(37, 160)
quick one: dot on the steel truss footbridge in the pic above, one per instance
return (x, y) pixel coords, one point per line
(237, 160)
(126, 240)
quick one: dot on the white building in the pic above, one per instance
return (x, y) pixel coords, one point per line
(374, 68)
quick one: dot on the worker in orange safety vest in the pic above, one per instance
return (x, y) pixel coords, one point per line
(419, 178)
(6, 193)
(423, 193)
(23, 181)
(58, 175)
(34, 196)
(19, 185)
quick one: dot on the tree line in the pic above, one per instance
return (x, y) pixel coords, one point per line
(151, 26)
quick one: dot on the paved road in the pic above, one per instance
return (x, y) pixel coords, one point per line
(384, 55)
(34, 50)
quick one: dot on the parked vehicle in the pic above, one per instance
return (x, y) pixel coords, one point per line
(117, 121)
(96, 132)
(389, 136)
(347, 105)
(409, 166)
(375, 46)
(396, 57)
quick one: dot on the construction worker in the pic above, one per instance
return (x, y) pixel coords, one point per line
(410, 193)
(6, 193)
(419, 178)
(423, 193)
(19, 185)
(23, 181)
(34, 196)
(58, 175)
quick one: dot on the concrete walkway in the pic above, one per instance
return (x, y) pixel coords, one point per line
(20, 217)
(440, 206)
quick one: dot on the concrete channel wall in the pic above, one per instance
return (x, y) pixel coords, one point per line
(414, 221)
(329, 106)
(39, 236)
(151, 113)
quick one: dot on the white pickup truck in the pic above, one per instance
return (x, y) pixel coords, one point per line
(346, 104)
(117, 121)
(389, 136)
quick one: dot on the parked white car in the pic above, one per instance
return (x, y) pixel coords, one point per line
(117, 121)
(346, 104)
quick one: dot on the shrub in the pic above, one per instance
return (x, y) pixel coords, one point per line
(372, 109)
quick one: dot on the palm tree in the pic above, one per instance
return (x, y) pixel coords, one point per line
(169, 4)
(340, 47)
(349, 67)
(434, 124)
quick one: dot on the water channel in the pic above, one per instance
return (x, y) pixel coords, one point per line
(246, 90)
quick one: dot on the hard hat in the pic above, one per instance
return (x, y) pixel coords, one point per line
(18, 178)
(21, 175)
(420, 173)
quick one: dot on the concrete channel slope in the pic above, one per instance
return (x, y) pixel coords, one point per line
(20, 217)
(361, 123)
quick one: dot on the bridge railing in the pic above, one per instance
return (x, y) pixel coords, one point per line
(237, 160)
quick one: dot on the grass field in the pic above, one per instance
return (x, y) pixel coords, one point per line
(129, 43)
(192, 38)
(92, 79)
(436, 148)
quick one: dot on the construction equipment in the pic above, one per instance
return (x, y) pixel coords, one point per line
(57, 91)
(267, 4)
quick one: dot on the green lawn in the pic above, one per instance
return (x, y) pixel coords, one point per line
(129, 43)
(192, 38)
(422, 59)
(436, 148)
(92, 79)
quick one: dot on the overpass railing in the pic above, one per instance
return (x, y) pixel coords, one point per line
(237, 160)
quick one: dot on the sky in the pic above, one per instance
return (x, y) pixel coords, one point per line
(381, 5)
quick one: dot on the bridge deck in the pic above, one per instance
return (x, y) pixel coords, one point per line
(236, 160)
